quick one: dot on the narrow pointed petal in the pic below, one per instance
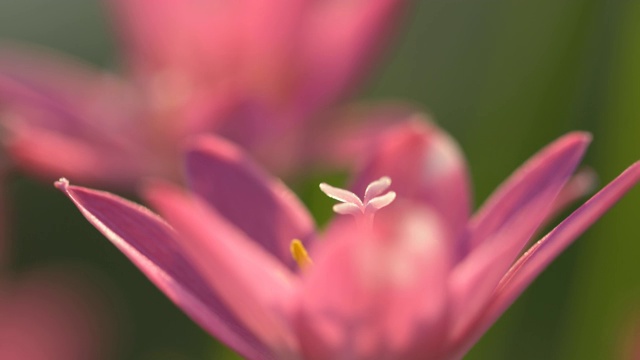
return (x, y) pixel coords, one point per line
(259, 205)
(151, 245)
(426, 166)
(509, 221)
(253, 284)
(580, 185)
(548, 169)
(536, 259)
(377, 295)
(473, 281)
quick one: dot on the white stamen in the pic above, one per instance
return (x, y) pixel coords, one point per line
(380, 201)
(347, 209)
(376, 188)
(342, 195)
(353, 205)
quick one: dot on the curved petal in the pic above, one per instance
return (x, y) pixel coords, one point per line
(581, 184)
(536, 259)
(474, 279)
(264, 208)
(425, 165)
(379, 294)
(253, 284)
(546, 172)
(151, 245)
(507, 223)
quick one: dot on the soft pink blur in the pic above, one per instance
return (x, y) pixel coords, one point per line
(260, 74)
(50, 314)
(422, 279)
(629, 345)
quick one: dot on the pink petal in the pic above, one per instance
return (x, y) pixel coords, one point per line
(582, 183)
(377, 295)
(196, 34)
(510, 220)
(151, 245)
(264, 208)
(473, 281)
(32, 147)
(536, 259)
(255, 286)
(272, 35)
(425, 165)
(548, 169)
(52, 103)
(61, 93)
(340, 46)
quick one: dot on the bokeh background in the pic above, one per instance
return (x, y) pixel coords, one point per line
(504, 77)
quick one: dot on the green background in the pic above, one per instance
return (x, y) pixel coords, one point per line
(504, 77)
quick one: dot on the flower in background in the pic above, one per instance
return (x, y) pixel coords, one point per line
(49, 314)
(405, 272)
(257, 73)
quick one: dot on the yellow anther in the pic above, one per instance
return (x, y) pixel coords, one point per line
(299, 254)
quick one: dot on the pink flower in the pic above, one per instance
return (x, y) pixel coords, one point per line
(256, 73)
(50, 315)
(404, 273)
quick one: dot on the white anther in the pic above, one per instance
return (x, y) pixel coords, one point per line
(353, 205)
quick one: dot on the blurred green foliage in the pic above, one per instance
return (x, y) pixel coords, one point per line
(504, 77)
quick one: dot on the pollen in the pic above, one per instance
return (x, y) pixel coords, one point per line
(299, 254)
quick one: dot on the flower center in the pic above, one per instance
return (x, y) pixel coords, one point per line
(351, 204)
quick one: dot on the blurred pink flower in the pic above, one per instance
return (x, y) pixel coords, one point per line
(257, 73)
(421, 280)
(49, 314)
